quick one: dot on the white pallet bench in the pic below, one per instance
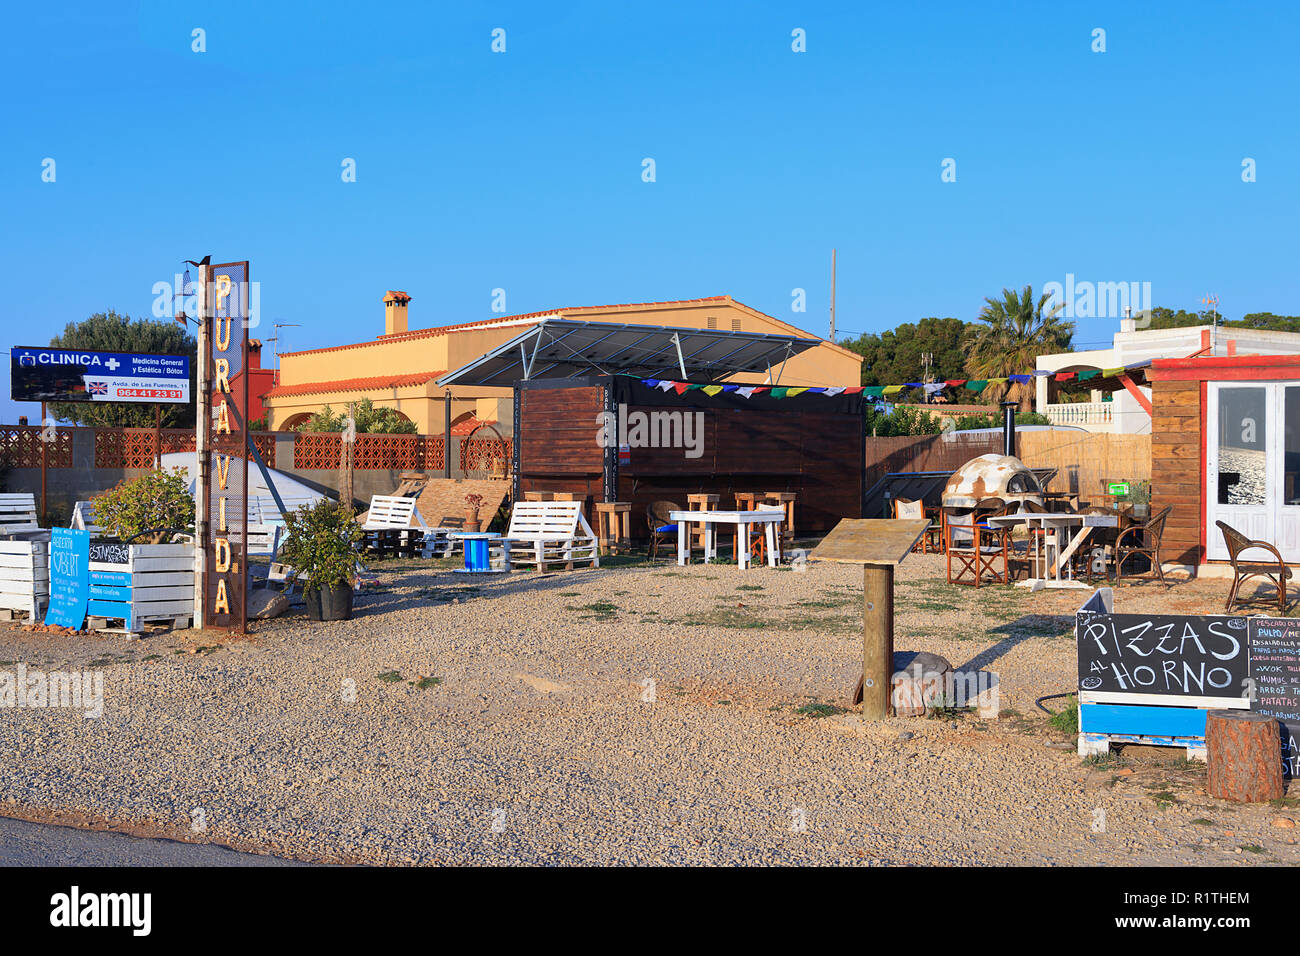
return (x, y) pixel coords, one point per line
(545, 533)
(155, 585)
(83, 519)
(24, 578)
(18, 513)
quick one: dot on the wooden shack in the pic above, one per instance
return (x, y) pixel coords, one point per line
(615, 438)
(1225, 446)
(634, 413)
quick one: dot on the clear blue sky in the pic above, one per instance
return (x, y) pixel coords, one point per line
(522, 170)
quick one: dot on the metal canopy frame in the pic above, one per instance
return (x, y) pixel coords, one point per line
(565, 348)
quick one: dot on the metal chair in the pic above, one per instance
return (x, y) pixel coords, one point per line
(1276, 573)
(1143, 539)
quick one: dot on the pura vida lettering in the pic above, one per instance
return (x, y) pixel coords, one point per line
(222, 564)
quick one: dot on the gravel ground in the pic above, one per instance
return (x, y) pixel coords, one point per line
(517, 730)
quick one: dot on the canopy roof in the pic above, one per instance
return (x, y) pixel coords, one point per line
(565, 348)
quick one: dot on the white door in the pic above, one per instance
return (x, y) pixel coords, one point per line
(1252, 473)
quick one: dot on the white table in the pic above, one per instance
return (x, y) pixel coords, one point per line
(1058, 526)
(770, 520)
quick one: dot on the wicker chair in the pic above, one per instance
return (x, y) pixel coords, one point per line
(662, 527)
(1143, 539)
(1275, 572)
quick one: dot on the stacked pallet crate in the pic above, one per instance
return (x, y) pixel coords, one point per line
(24, 578)
(140, 583)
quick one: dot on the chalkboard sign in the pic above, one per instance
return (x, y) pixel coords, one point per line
(1275, 674)
(1173, 656)
(69, 577)
(109, 552)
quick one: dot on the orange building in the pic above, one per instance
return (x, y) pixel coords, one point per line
(398, 369)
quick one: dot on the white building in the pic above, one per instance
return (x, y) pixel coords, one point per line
(1123, 413)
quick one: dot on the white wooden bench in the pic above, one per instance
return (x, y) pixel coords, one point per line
(24, 578)
(394, 523)
(83, 519)
(550, 532)
(18, 513)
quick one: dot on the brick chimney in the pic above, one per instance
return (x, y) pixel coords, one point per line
(254, 353)
(395, 312)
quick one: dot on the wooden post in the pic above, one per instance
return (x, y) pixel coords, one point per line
(157, 436)
(877, 639)
(44, 445)
(1244, 751)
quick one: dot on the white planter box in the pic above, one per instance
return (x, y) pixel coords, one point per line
(24, 578)
(142, 583)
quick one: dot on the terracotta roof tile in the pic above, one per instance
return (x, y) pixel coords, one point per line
(354, 384)
(501, 320)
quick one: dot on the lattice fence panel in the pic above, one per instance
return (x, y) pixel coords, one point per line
(20, 447)
(388, 451)
(435, 452)
(479, 454)
(316, 450)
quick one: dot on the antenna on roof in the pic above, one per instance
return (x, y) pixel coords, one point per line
(832, 335)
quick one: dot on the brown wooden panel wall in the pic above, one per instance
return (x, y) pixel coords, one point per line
(816, 455)
(1176, 467)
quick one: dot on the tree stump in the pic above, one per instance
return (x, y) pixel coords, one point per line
(1244, 751)
(919, 680)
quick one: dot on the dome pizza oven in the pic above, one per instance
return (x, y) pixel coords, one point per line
(991, 476)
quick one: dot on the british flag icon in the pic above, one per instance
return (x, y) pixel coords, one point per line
(97, 388)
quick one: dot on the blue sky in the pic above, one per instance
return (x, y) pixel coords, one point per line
(523, 170)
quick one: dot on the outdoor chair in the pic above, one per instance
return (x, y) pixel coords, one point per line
(1142, 539)
(976, 550)
(906, 508)
(545, 533)
(662, 528)
(83, 519)
(1275, 572)
(18, 515)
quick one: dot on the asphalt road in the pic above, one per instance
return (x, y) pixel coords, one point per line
(43, 844)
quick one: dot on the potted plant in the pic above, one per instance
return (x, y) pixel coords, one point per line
(319, 544)
(1139, 495)
(472, 505)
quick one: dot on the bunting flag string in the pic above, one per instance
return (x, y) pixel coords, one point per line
(884, 391)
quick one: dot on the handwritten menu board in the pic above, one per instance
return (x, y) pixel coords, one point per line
(1170, 655)
(69, 577)
(1275, 672)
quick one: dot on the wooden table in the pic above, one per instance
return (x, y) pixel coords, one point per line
(741, 519)
(1058, 526)
(879, 545)
(613, 525)
(701, 502)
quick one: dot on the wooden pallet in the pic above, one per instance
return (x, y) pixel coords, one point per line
(24, 578)
(156, 585)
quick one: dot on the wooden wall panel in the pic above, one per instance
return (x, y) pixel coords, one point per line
(1176, 466)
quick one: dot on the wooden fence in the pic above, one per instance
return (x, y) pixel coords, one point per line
(1083, 461)
(1086, 461)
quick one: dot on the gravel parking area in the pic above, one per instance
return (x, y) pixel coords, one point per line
(504, 720)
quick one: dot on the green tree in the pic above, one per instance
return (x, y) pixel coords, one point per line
(896, 356)
(159, 501)
(902, 420)
(1162, 318)
(1016, 330)
(110, 332)
(370, 419)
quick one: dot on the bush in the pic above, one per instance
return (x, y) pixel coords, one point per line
(159, 502)
(319, 539)
(901, 420)
(369, 420)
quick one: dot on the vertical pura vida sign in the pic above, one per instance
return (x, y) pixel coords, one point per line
(225, 494)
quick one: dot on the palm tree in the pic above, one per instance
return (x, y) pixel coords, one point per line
(1016, 331)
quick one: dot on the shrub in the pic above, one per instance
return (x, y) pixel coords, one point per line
(159, 502)
(319, 539)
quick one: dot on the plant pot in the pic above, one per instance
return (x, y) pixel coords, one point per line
(471, 521)
(329, 604)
